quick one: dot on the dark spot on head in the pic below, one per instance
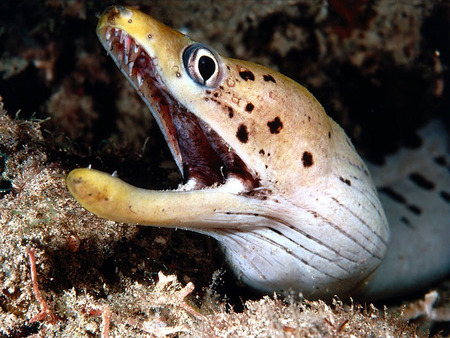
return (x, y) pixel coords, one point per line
(275, 126)
(247, 75)
(150, 36)
(249, 107)
(130, 21)
(269, 78)
(228, 67)
(329, 134)
(405, 221)
(421, 181)
(346, 181)
(216, 94)
(77, 180)
(307, 159)
(393, 194)
(445, 196)
(221, 87)
(415, 209)
(230, 112)
(262, 152)
(441, 161)
(208, 92)
(206, 99)
(242, 133)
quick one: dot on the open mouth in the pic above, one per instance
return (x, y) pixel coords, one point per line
(202, 156)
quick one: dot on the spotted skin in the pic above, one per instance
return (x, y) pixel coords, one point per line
(411, 186)
(292, 204)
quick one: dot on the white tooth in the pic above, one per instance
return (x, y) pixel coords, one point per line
(130, 68)
(123, 36)
(140, 79)
(110, 45)
(127, 43)
(126, 48)
(116, 32)
(119, 58)
(108, 34)
(136, 48)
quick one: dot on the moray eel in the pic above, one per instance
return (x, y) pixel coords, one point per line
(266, 172)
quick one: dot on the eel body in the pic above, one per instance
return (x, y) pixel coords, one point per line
(267, 173)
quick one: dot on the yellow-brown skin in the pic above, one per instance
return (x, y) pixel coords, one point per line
(314, 224)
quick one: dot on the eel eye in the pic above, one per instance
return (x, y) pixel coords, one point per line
(202, 64)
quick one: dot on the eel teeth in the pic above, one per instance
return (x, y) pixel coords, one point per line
(110, 46)
(130, 68)
(126, 48)
(140, 79)
(120, 59)
(134, 53)
(108, 34)
(123, 36)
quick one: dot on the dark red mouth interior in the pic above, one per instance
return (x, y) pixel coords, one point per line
(206, 158)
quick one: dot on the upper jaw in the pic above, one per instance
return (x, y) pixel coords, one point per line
(201, 154)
